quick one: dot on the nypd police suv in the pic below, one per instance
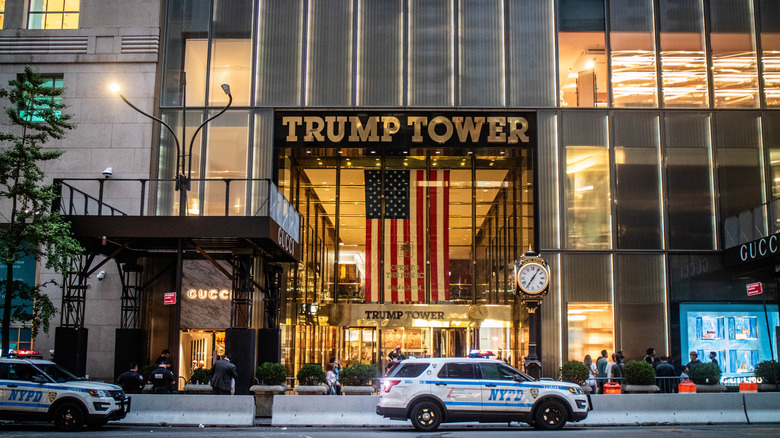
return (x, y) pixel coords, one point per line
(41, 390)
(432, 391)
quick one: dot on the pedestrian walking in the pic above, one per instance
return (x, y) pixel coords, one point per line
(223, 375)
(131, 381)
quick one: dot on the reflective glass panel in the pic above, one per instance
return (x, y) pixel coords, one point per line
(231, 52)
(582, 59)
(279, 52)
(632, 43)
(683, 58)
(690, 208)
(587, 192)
(380, 53)
(431, 41)
(732, 39)
(226, 158)
(770, 47)
(637, 181)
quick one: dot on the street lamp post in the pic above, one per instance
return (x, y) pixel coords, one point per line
(182, 180)
(182, 186)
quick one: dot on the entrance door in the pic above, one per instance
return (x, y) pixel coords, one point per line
(449, 342)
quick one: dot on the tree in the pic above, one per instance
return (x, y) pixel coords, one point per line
(33, 229)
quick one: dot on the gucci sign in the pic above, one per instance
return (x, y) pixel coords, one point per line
(285, 241)
(208, 294)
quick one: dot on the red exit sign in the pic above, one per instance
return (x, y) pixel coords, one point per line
(169, 298)
(754, 289)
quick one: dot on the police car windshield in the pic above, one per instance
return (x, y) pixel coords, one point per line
(56, 372)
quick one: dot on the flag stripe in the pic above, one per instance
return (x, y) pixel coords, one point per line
(420, 239)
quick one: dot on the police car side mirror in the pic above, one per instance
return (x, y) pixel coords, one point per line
(39, 379)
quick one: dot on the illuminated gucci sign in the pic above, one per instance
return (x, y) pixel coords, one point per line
(285, 241)
(208, 294)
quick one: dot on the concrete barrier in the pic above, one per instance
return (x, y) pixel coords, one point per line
(762, 407)
(651, 409)
(326, 410)
(191, 410)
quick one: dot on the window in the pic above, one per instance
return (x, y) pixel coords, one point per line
(495, 371)
(43, 102)
(2, 14)
(456, 370)
(409, 370)
(54, 14)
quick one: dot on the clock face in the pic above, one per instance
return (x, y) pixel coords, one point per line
(532, 278)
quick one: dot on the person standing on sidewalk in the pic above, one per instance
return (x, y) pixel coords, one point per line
(223, 374)
(131, 381)
(601, 367)
(162, 379)
(667, 376)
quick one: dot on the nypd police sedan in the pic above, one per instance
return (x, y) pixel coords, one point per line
(41, 390)
(432, 391)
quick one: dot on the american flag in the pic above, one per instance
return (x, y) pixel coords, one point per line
(401, 241)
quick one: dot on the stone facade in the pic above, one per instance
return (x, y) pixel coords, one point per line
(117, 41)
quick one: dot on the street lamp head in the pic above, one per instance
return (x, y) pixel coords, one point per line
(114, 88)
(226, 89)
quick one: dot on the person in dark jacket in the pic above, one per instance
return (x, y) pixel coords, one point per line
(162, 379)
(667, 376)
(131, 381)
(222, 377)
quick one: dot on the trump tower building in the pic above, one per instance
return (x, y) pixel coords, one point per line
(375, 169)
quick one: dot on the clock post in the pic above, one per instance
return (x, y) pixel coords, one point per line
(532, 280)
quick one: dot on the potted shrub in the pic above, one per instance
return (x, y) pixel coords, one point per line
(639, 377)
(769, 373)
(310, 380)
(575, 372)
(357, 379)
(199, 382)
(271, 379)
(706, 376)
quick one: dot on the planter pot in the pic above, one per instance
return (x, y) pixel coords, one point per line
(641, 389)
(197, 388)
(264, 398)
(357, 390)
(709, 388)
(311, 389)
(767, 387)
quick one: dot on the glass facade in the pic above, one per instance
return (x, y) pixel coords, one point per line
(654, 123)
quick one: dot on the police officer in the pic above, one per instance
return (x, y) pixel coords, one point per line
(162, 379)
(130, 381)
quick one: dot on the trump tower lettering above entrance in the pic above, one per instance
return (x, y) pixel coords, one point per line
(336, 129)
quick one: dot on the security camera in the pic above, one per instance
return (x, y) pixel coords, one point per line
(101, 275)
(108, 172)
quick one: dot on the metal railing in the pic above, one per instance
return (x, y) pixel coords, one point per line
(156, 197)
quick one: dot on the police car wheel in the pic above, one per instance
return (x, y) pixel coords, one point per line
(550, 415)
(69, 417)
(426, 416)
